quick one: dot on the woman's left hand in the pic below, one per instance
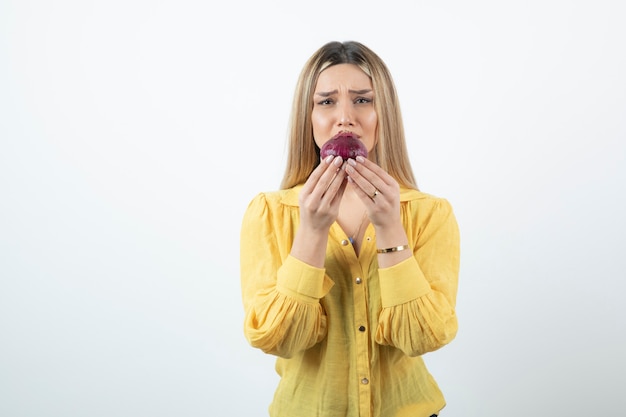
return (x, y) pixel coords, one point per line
(378, 190)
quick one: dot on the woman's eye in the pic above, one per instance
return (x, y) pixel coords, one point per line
(325, 102)
(363, 100)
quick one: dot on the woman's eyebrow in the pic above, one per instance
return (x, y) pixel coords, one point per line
(330, 93)
(325, 93)
(364, 91)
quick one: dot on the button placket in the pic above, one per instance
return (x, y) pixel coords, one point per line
(362, 341)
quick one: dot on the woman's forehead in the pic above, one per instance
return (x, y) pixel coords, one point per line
(343, 75)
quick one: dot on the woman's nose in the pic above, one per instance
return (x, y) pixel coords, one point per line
(345, 116)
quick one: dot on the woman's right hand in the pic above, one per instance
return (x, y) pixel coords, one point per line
(321, 194)
(319, 206)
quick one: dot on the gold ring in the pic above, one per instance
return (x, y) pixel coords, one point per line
(375, 194)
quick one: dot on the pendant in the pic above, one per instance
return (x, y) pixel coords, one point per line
(351, 239)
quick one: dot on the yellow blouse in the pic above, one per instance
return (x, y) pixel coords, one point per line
(349, 337)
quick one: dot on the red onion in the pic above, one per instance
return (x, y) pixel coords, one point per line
(344, 144)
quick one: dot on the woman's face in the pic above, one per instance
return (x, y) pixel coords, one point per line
(343, 100)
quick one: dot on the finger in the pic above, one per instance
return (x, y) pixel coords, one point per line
(335, 192)
(366, 196)
(374, 169)
(329, 175)
(325, 167)
(336, 184)
(366, 180)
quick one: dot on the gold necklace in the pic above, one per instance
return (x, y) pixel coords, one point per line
(356, 234)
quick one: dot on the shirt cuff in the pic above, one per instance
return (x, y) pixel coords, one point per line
(302, 281)
(402, 283)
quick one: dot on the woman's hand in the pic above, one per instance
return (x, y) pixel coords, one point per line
(321, 194)
(380, 193)
(378, 190)
(319, 200)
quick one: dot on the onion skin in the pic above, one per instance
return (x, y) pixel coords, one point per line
(344, 144)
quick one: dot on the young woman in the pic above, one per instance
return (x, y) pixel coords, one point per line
(349, 274)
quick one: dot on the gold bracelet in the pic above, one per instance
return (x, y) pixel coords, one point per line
(394, 249)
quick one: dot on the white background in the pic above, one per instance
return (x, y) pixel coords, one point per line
(134, 133)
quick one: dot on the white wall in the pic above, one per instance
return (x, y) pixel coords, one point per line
(133, 134)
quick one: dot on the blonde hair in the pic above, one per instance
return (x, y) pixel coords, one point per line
(390, 151)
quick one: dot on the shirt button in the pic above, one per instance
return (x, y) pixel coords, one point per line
(361, 328)
(358, 280)
(345, 242)
(365, 381)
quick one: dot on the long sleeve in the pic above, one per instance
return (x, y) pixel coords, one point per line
(281, 294)
(418, 295)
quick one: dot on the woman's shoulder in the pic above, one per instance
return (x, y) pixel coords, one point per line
(421, 201)
(288, 197)
(411, 194)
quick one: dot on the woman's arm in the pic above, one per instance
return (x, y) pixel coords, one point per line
(418, 287)
(418, 295)
(280, 293)
(282, 264)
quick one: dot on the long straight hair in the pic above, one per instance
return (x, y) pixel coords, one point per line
(390, 151)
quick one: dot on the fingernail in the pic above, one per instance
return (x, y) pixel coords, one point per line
(360, 158)
(328, 159)
(352, 162)
(338, 161)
